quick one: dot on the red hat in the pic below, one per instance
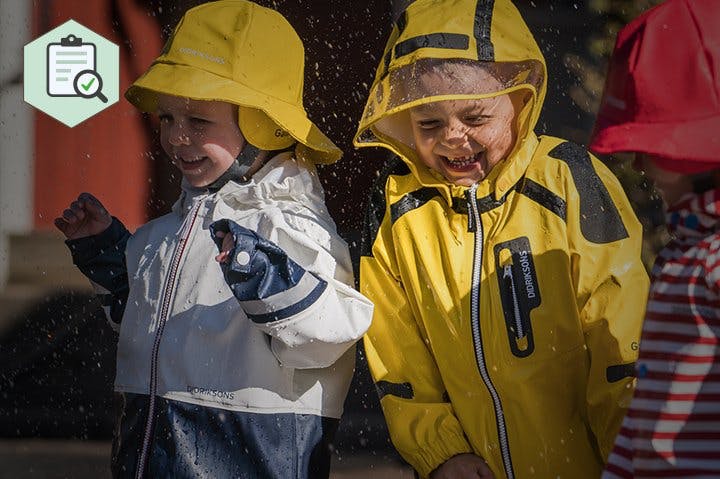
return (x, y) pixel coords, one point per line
(662, 92)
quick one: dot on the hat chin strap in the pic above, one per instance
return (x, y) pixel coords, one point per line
(246, 158)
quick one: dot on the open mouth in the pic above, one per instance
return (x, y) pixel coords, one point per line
(190, 164)
(462, 163)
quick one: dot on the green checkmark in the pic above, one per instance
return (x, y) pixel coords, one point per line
(86, 86)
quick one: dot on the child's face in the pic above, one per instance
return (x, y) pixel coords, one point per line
(202, 138)
(464, 139)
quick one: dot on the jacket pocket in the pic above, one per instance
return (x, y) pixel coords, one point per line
(519, 293)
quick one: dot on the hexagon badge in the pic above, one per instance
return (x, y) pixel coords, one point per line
(71, 73)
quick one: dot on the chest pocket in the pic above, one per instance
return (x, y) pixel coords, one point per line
(519, 292)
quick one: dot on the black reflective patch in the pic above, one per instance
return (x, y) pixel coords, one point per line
(460, 206)
(620, 371)
(375, 209)
(412, 201)
(545, 198)
(404, 390)
(386, 61)
(483, 22)
(485, 204)
(600, 221)
(402, 22)
(452, 41)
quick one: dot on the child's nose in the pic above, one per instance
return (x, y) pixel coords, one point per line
(178, 135)
(454, 133)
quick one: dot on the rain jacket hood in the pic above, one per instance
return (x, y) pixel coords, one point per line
(459, 37)
(247, 55)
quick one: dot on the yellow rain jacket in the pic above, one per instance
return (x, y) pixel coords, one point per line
(507, 314)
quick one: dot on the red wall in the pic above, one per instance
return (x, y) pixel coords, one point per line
(106, 154)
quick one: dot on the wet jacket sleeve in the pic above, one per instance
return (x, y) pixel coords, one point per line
(312, 319)
(101, 258)
(605, 241)
(421, 421)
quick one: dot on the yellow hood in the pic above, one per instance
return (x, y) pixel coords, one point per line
(485, 39)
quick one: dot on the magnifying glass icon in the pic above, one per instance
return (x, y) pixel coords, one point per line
(88, 84)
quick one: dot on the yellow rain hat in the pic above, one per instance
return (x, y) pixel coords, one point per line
(239, 52)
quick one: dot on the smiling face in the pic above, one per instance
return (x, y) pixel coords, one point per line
(202, 138)
(464, 139)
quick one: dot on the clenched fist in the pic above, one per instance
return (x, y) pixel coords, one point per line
(85, 216)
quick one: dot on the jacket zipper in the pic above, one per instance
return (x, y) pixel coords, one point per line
(508, 276)
(165, 304)
(475, 224)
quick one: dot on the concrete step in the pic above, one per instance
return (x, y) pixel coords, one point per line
(42, 259)
(40, 266)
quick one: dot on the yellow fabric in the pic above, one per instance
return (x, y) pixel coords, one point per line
(560, 410)
(239, 52)
(562, 414)
(428, 18)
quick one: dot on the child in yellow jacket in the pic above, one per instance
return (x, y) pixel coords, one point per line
(504, 267)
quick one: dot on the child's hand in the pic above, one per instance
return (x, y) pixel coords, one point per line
(465, 466)
(85, 216)
(228, 243)
(231, 238)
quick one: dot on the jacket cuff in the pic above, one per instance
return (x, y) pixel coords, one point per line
(288, 303)
(268, 285)
(84, 250)
(427, 460)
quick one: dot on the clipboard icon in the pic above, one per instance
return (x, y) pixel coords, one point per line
(65, 60)
(71, 73)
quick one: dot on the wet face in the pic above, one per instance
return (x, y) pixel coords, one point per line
(202, 138)
(463, 140)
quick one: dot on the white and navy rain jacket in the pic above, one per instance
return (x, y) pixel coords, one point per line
(239, 371)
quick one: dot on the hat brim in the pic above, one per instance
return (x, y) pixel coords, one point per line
(162, 78)
(693, 140)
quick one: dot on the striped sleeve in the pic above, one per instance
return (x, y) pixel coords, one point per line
(673, 424)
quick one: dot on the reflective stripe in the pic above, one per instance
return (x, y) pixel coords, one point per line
(449, 41)
(306, 302)
(283, 299)
(401, 390)
(619, 371)
(545, 198)
(481, 30)
(412, 201)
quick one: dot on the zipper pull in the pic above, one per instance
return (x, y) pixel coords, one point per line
(507, 271)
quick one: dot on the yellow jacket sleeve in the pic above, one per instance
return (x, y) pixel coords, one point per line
(421, 421)
(612, 287)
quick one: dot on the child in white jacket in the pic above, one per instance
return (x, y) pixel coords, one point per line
(236, 313)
